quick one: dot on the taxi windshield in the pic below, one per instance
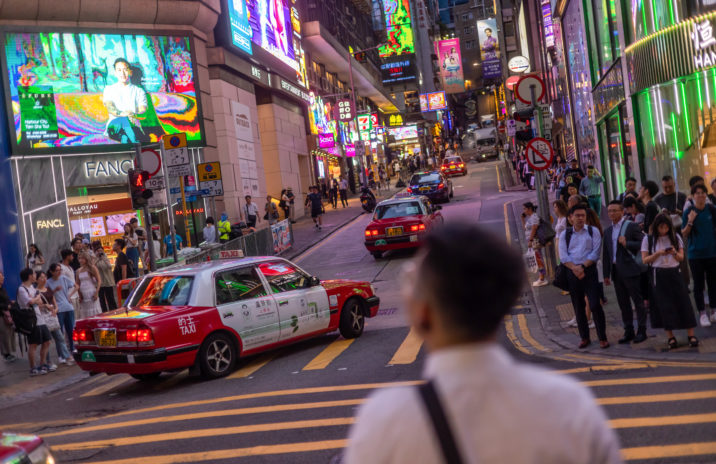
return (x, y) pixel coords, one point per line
(164, 290)
(396, 210)
(452, 159)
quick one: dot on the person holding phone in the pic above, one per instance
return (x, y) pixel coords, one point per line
(671, 307)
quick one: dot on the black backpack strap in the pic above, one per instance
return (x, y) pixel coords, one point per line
(568, 236)
(440, 423)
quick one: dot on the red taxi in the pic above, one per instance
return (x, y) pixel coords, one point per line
(205, 316)
(400, 223)
(24, 449)
(453, 166)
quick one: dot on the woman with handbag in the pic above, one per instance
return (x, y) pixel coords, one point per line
(531, 223)
(271, 211)
(7, 335)
(49, 309)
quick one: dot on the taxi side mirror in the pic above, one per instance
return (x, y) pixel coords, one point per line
(315, 281)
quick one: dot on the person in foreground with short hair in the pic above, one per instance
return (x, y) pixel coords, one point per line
(498, 410)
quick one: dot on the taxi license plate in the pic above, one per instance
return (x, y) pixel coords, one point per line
(393, 231)
(424, 189)
(452, 166)
(107, 337)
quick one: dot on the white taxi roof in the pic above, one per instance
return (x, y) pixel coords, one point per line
(410, 198)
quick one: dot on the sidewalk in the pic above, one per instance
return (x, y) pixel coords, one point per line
(305, 234)
(555, 309)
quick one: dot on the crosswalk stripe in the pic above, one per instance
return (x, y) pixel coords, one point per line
(525, 331)
(199, 433)
(107, 386)
(643, 380)
(665, 397)
(253, 366)
(238, 452)
(669, 451)
(632, 422)
(330, 353)
(209, 414)
(409, 349)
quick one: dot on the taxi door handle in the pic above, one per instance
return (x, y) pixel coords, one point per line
(284, 302)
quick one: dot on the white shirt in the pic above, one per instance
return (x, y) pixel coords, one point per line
(251, 210)
(499, 411)
(24, 295)
(125, 98)
(616, 230)
(662, 243)
(561, 225)
(210, 234)
(70, 274)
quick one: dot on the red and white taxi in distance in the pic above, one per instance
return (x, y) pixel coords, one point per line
(452, 166)
(205, 316)
(400, 223)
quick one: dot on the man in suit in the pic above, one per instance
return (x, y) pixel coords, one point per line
(622, 242)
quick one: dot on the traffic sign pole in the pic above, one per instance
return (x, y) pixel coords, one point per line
(147, 216)
(170, 206)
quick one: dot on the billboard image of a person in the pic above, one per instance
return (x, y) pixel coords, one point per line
(125, 102)
(489, 45)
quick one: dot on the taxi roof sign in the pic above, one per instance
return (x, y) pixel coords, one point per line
(174, 141)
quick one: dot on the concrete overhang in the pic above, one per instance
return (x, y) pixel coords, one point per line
(334, 56)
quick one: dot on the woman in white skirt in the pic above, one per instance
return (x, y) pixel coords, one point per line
(89, 281)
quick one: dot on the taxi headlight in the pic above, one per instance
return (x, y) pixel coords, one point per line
(42, 455)
(372, 289)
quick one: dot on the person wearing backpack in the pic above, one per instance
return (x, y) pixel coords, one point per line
(29, 298)
(621, 263)
(579, 250)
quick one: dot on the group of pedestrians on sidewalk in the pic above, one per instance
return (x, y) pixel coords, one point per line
(644, 253)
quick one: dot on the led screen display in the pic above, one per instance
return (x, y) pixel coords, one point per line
(398, 69)
(403, 132)
(77, 91)
(398, 28)
(436, 101)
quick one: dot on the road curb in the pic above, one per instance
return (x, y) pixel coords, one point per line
(11, 399)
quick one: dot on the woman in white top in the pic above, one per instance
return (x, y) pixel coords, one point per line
(670, 306)
(89, 281)
(560, 224)
(35, 260)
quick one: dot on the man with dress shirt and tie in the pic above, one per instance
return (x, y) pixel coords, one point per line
(622, 242)
(579, 249)
(457, 292)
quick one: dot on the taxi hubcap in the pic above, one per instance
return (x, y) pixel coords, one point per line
(219, 355)
(357, 317)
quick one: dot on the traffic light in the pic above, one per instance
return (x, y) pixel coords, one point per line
(137, 188)
(360, 57)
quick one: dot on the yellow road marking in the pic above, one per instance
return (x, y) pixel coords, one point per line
(122, 378)
(510, 329)
(238, 452)
(499, 184)
(189, 434)
(609, 367)
(253, 366)
(45, 424)
(699, 395)
(602, 359)
(328, 354)
(525, 331)
(664, 420)
(408, 350)
(508, 234)
(270, 394)
(669, 451)
(208, 414)
(643, 380)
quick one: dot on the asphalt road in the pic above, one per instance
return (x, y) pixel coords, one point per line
(296, 404)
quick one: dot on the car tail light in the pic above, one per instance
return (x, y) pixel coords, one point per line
(443, 167)
(417, 227)
(410, 190)
(83, 336)
(462, 165)
(371, 232)
(441, 185)
(135, 337)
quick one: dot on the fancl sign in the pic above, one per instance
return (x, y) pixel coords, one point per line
(704, 41)
(107, 168)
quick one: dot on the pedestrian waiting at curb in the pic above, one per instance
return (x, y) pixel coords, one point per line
(63, 289)
(251, 212)
(49, 309)
(7, 333)
(478, 404)
(107, 300)
(270, 210)
(531, 222)
(28, 298)
(622, 244)
(671, 307)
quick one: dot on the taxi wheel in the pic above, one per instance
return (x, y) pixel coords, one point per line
(217, 356)
(377, 254)
(352, 319)
(147, 377)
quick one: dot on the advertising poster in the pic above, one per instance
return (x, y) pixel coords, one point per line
(437, 101)
(281, 234)
(448, 52)
(489, 48)
(424, 102)
(404, 132)
(399, 30)
(79, 91)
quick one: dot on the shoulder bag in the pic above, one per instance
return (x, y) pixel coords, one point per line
(440, 423)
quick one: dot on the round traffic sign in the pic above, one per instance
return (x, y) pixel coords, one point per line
(174, 141)
(151, 161)
(518, 64)
(540, 153)
(208, 168)
(522, 89)
(511, 82)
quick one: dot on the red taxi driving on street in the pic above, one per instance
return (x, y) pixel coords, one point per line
(453, 166)
(205, 316)
(400, 223)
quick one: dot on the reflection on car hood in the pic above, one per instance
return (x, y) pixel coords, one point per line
(337, 283)
(14, 445)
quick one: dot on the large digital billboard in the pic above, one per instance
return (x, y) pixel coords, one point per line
(448, 52)
(72, 91)
(398, 69)
(273, 26)
(399, 29)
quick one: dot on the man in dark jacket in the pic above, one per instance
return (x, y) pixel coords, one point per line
(622, 243)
